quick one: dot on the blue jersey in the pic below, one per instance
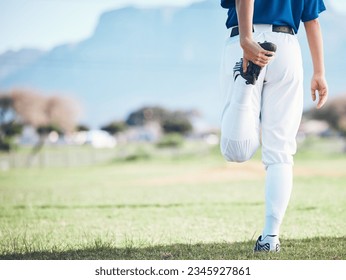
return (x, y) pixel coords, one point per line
(278, 12)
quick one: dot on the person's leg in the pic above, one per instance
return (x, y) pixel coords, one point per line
(282, 104)
(277, 194)
(240, 117)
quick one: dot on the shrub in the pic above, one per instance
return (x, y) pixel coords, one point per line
(171, 140)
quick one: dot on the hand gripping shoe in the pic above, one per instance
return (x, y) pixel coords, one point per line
(253, 70)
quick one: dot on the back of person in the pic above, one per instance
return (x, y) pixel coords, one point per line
(278, 12)
(267, 110)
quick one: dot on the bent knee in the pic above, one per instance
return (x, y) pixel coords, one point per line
(238, 151)
(236, 156)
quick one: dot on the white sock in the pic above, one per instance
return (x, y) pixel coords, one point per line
(278, 192)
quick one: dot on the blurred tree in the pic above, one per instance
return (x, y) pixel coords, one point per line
(147, 114)
(170, 121)
(82, 127)
(43, 131)
(177, 123)
(114, 127)
(46, 129)
(334, 113)
(9, 125)
(5, 105)
(45, 114)
(171, 140)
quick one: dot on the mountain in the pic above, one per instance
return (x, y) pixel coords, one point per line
(165, 56)
(11, 62)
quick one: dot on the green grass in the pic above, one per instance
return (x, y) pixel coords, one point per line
(177, 206)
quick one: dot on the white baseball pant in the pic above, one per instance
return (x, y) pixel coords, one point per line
(267, 113)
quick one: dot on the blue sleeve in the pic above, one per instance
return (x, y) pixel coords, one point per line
(227, 4)
(312, 8)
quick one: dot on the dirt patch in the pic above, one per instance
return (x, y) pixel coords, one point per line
(229, 172)
(321, 171)
(223, 173)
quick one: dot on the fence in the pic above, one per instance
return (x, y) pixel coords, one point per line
(60, 156)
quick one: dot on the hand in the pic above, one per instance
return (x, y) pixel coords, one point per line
(255, 53)
(319, 84)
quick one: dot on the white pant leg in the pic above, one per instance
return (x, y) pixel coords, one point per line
(282, 104)
(277, 98)
(242, 103)
(282, 100)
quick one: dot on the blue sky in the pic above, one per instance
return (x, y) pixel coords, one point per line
(46, 23)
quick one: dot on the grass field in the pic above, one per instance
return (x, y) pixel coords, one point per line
(177, 206)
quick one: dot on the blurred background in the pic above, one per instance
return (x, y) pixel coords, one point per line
(91, 79)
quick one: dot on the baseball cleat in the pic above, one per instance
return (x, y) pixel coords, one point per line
(238, 69)
(253, 70)
(270, 243)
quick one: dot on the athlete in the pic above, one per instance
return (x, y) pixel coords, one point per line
(268, 109)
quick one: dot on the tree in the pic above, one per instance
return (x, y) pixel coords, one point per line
(82, 127)
(5, 106)
(170, 121)
(334, 113)
(45, 114)
(114, 127)
(38, 110)
(177, 124)
(147, 114)
(9, 125)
